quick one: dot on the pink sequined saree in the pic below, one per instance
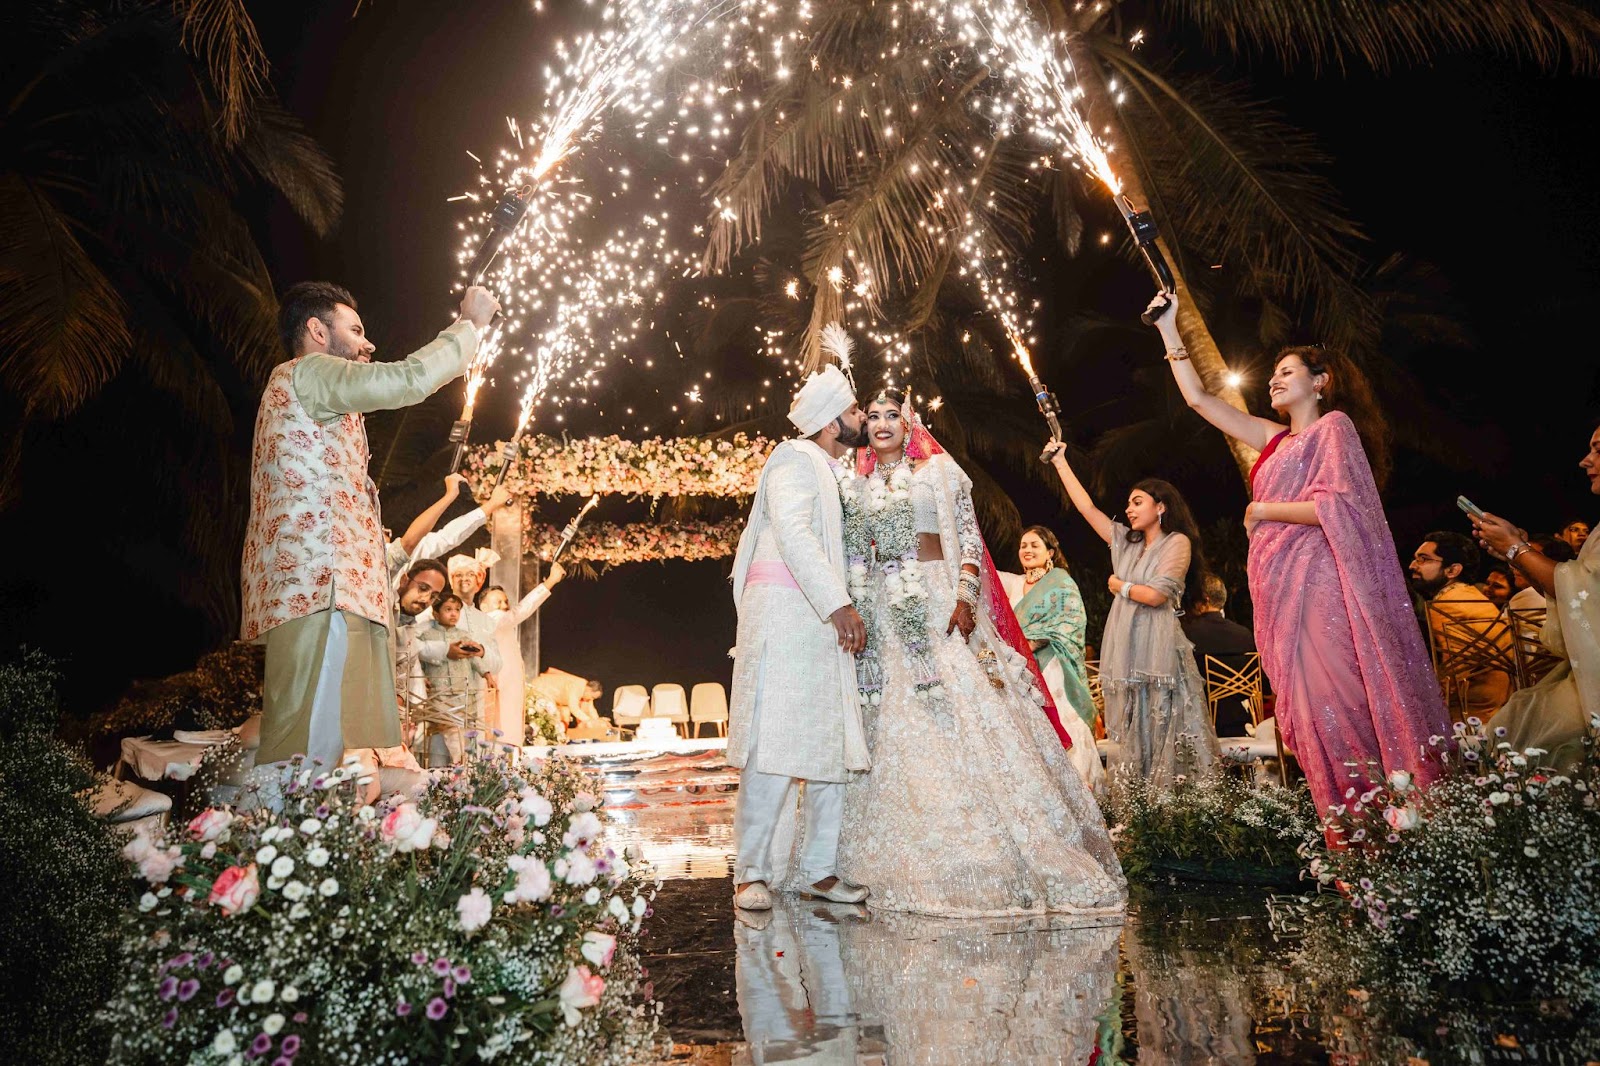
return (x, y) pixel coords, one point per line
(1333, 622)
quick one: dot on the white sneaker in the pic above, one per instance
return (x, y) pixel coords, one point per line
(841, 892)
(753, 897)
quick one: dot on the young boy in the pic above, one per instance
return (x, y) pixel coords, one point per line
(452, 667)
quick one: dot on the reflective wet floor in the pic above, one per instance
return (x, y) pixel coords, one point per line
(1193, 975)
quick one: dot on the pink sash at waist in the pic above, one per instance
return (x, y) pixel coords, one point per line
(771, 572)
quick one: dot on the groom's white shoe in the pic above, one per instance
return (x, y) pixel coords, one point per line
(840, 892)
(753, 897)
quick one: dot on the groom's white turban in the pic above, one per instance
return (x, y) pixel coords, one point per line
(825, 396)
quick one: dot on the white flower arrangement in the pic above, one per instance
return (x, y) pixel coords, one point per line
(656, 467)
(1488, 878)
(439, 930)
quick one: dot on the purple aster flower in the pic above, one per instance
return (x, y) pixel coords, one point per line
(449, 988)
(261, 1044)
(402, 1009)
(419, 958)
(462, 974)
(206, 960)
(322, 810)
(167, 988)
(169, 1019)
(283, 1060)
(441, 966)
(291, 1044)
(225, 997)
(300, 1017)
(182, 960)
(187, 989)
(557, 910)
(436, 1008)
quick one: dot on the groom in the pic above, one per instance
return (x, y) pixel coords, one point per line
(795, 725)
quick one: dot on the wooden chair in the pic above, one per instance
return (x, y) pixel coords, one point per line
(1224, 681)
(1465, 648)
(708, 705)
(1534, 660)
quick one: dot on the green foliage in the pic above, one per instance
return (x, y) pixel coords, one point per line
(222, 690)
(1214, 821)
(64, 882)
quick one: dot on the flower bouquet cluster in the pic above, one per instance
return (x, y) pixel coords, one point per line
(659, 466)
(642, 542)
(1212, 826)
(543, 716)
(487, 921)
(1485, 884)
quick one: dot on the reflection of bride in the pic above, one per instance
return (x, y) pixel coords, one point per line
(819, 985)
(972, 806)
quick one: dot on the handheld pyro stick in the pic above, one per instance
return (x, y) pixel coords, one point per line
(1142, 224)
(1049, 406)
(508, 454)
(503, 221)
(505, 217)
(572, 527)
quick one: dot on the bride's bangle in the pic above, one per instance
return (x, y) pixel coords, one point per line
(968, 588)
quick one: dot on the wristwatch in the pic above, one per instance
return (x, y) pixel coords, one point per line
(1517, 549)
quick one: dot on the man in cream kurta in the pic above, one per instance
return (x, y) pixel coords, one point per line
(794, 719)
(315, 587)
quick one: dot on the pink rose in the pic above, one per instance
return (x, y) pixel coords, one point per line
(406, 828)
(1401, 818)
(599, 947)
(210, 823)
(581, 989)
(473, 910)
(155, 863)
(235, 890)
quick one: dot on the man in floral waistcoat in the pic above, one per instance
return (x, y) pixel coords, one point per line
(316, 588)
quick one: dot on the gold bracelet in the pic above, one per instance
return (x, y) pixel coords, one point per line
(1177, 355)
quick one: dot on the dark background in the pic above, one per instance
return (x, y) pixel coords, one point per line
(1476, 167)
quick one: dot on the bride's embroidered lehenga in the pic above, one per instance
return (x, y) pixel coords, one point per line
(972, 806)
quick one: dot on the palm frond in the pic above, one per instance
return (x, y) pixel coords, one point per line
(62, 326)
(278, 148)
(222, 35)
(1239, 189)
(1384, 34)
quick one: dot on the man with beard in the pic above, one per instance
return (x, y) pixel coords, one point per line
(315, 586)
(1442, 571)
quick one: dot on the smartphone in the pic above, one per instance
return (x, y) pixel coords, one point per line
(1468, 506)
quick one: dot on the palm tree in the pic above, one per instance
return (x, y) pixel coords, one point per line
(887, 121)
(132, 133)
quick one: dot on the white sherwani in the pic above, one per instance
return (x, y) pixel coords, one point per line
(792, 683)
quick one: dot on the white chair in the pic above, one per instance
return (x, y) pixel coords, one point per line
(128, 805)
(708, 705)
(629, 704)
(669, 702)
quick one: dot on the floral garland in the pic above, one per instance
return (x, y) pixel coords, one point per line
(659, 466)
(641, 542)
(880, 535)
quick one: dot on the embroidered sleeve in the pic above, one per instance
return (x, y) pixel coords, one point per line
(968, 537)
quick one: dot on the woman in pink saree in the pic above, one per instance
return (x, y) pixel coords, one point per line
(1356, 690)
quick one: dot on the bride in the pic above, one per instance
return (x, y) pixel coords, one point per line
(972, 806)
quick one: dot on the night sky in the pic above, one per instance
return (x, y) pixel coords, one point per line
(1475, 167)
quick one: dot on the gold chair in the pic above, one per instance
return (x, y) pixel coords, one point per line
(1534, 660)
(1466, 649)
(1225, 681)
(1092, 668)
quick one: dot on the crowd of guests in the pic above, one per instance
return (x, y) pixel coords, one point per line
(1347, 643)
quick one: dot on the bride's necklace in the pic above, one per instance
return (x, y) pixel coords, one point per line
(886, 468)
